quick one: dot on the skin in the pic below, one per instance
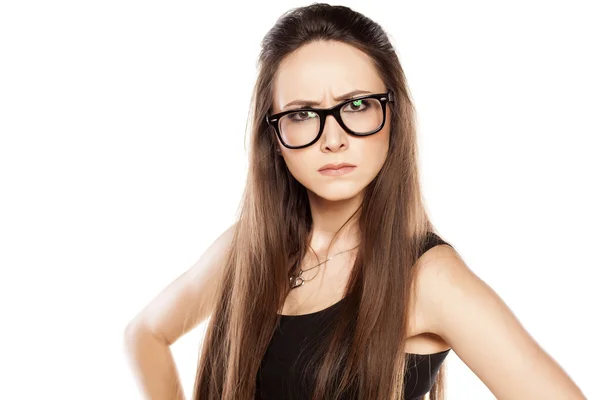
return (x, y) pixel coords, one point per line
(451, 306)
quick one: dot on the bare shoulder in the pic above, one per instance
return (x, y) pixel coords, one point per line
(439, 268)
(458, 306)
(190, 298)
(420, 320)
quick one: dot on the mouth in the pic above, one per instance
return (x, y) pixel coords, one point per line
(339, 170)
(336, 167)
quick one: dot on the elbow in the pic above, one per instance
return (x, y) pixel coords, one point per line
(132, 332)
(136, 332)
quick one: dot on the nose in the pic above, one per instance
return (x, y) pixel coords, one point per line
(334, 136)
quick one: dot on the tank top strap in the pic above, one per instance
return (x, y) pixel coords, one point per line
(431, 240)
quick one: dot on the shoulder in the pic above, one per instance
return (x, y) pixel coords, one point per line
(439, 260)
(442, 281)
(437, 268)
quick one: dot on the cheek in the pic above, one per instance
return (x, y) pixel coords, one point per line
(374, 157)
(375, 150)
(299, 167)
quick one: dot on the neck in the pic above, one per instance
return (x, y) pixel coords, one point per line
(327, 219)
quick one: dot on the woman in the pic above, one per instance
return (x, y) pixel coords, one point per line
(375, 306)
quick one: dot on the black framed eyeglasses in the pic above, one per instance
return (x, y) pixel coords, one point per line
(360, 116)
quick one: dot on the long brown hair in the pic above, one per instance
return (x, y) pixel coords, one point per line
(274, 227)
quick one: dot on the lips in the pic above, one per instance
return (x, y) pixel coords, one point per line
(335, 166)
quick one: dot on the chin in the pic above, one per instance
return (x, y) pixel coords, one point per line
(333, 192)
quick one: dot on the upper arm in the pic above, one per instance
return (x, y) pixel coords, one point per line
(190, 298)
(484, 333)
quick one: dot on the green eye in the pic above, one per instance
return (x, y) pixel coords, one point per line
(357, 102)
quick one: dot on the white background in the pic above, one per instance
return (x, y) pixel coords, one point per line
(122, 158)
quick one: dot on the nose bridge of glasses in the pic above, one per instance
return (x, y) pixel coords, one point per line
(334, 113)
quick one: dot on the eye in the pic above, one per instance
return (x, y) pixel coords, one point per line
(302, 116)
(358, 105)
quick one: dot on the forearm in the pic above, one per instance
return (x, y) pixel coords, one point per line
(153, 366)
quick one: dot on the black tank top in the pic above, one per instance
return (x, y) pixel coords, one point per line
(297, 337)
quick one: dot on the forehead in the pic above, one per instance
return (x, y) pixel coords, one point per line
(324, 69)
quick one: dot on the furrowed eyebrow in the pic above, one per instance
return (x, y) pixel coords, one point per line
(310, 103)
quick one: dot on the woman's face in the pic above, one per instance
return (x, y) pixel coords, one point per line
(321, 71)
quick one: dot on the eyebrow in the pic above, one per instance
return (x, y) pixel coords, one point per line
(311, 103)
